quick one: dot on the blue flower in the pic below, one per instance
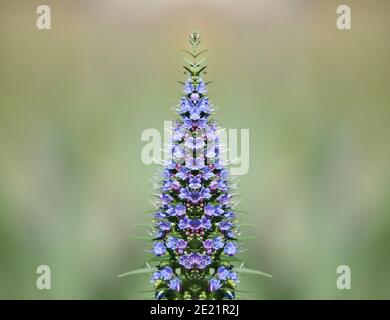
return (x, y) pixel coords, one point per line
(204, 105)
(194, 143)
(184, 223)
(225, 225)
(184, 193)
(207, 173)
(166, 273)
(195, 163)
(188, 86)
(223, 273)
(159, 249)
(195, 113)
(181, 245)
(175, 284)
(229, 215)
(195, 196)
(230, 249)
(178, 152)
(166, 198)
(182, 173)
(195, 183)
(180, 210)
(164, 225)
(195, 224)
(159, 215)
(233, 276)
(185, 105)
(155, 276)
(205, 223)
(171, 243)
(209, 210)
(208, 244)
(185, 261)
(201, 87)
(224, 198)
(178, 133)
(204, 261)
(214, 285)
(218, 243)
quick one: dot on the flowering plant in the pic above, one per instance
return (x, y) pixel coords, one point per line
(195, 228)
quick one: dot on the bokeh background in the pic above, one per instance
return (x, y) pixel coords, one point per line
(74, 101)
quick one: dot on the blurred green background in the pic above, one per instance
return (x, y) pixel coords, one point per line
(74, 101)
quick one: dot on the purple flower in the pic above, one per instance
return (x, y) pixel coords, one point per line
(166, 198)
(155, 276)
(170, 210)
(159, 249)
(223, 273)
(180, 210)
(218, 210)
(178, 134)
(207, 173)
(204, 105)
(209, 210)
(205, 193)
(185, 105)
(208, 244)
(182, 173)
(229, 215)
(211, 135)
(214, 284)
(195, 113)
(175, 284)
(181, 245)
(164, 225)
(166, 273)
(195, 163)
(193, 124)
(195, 260)
(233, 276)
(184, 223)
(224, 198)
(195, 197)
(194, 143)
(194, 97)
(225, 225)
(178, 152)
(159, 215)
(171, 243)
(230, 249)
(205, 223)
(218, 243)
(201, 87)
(204, 261)
(195, 224)
(188, 86)
(185, 261)
(195, 183)
(184, 193)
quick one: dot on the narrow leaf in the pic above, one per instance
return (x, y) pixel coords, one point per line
(252, 271)
(137, 271)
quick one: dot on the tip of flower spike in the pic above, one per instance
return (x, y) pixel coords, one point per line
(195, 38)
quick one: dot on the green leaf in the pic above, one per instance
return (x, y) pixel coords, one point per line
(230, 259)
(252, 271)
(158, 259)
(137, 271)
